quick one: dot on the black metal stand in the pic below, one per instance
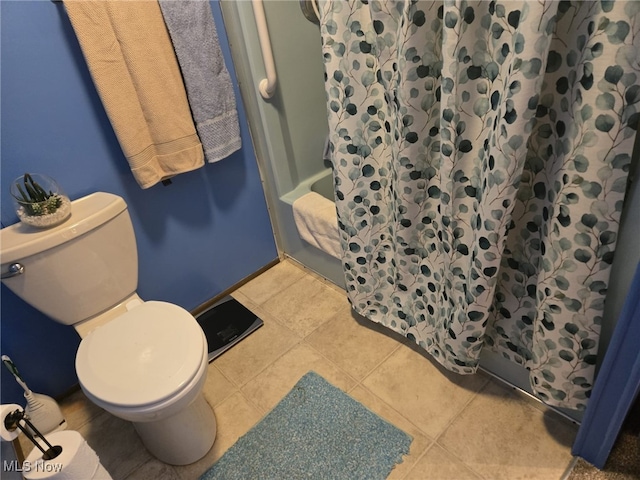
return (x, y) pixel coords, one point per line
(13, 422)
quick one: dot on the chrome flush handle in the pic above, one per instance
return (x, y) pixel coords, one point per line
(14, 269)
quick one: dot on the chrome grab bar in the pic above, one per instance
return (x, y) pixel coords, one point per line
(14, 269)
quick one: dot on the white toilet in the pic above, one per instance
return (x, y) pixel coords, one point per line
(145, 362)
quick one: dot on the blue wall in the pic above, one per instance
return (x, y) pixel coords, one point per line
(196, 237)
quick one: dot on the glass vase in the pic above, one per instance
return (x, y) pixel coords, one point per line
(39, 201)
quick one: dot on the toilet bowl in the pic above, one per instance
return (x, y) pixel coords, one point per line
(144, 362)
(148, 366)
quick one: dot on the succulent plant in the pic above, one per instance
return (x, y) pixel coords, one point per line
(34, 199)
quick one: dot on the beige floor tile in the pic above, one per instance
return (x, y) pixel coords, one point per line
(317, 276)
(501, 436)
(437, 464)
(252, 355)
(420, 441)
(117, 444)
(77, 409)
(268, 388)
(272, 282)
(425, 393)
(308, 326)
(305, 305)
(154, 470)
(353, 343)
(217, 388)
(246, 301)
(235, 417)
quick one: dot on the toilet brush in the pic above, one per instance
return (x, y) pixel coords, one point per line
(42, 410)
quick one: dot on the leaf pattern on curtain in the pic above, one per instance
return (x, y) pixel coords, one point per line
(480, 157)
(555, 270)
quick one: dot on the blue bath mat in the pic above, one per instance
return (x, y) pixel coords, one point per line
(315, 432)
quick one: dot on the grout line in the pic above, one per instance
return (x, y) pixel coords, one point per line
(330, 319)
(431, 440)
(418, 458)
(367, 375)
(316, 275)
(310, 299)
(264, 313)
(265, 367)
(281, 286)
(226, 377)
(262, 411)
(356, 382)
(459, 412)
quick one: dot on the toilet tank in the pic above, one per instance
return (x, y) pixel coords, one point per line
(78, 269)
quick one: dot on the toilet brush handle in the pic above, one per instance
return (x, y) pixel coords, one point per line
(14, 371)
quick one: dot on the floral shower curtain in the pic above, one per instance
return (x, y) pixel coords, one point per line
(481, 152)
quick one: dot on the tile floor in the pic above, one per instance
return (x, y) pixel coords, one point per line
(463, 427)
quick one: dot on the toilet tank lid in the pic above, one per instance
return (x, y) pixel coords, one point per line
(20, 241)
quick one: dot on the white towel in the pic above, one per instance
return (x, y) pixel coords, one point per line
(209, 89)
(317, 223)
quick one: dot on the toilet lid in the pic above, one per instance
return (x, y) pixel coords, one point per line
(144, 356)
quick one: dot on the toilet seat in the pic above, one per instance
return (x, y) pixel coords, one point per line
(143, 357)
